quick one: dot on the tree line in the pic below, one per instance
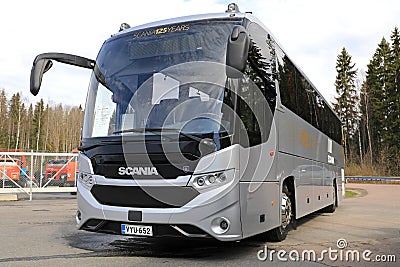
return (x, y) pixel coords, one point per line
(369, 106)
(368, 103)
(38, 127)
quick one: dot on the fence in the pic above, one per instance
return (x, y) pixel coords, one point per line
(373, 179)
(28, 172)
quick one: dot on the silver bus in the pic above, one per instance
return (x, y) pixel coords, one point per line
(201, 127)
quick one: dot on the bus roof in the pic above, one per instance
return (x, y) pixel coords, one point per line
(192, 18)
(224, 15)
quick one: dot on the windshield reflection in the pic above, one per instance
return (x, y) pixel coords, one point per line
(135, 87)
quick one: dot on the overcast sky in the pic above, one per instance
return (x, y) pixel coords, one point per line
(312, 32)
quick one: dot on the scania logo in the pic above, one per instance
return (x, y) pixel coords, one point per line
(137, 171)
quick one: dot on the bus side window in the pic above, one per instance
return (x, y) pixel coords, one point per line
(247, 103)
(262, 59)
(287, 82)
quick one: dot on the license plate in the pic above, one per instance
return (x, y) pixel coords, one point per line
(142, 230)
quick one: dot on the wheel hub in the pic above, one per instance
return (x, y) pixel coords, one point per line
(286, 210)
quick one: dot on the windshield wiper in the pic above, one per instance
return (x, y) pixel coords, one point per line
(142, 130)
(139, 130)
(100, 143)
(158, 131)
(195, 138)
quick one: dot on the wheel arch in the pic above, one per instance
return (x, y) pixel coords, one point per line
(291, 185)
(334, 183)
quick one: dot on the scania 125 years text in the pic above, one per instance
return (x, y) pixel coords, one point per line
(201, 126)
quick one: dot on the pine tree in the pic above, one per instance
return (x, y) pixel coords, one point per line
(377, 89)
(3, 114)
(392, 138)
(365, 129)
(347, 99)
(37, 125)
(16, 109)
(28, 128)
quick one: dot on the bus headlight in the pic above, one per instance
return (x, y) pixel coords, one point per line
(87, 180)
(210, 180)
(200, 181)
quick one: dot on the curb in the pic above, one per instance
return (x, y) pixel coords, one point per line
(8, 197)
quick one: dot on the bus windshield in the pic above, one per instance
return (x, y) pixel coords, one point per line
(160, 79)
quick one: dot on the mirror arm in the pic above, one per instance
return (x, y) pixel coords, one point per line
(67, 59)
(43, 63)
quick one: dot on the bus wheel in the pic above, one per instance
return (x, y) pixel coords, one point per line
(280, 233)
(331, 208)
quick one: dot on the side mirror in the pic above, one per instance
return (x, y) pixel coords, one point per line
(38, 69)
(43, 63)
(207, 146)
(237, 52)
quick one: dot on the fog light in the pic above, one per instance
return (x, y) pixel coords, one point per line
(224, 225)
(220, 225)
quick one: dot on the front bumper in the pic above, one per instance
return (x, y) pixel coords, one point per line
(200, 217)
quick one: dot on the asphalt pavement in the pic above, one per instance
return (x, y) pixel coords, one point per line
(42, 233)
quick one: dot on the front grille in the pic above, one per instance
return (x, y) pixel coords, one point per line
(159, 230)
(144, 197)
(168, 166)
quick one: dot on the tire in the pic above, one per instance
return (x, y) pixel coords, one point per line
(331, 208)
(280, 233)
(24, 181)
